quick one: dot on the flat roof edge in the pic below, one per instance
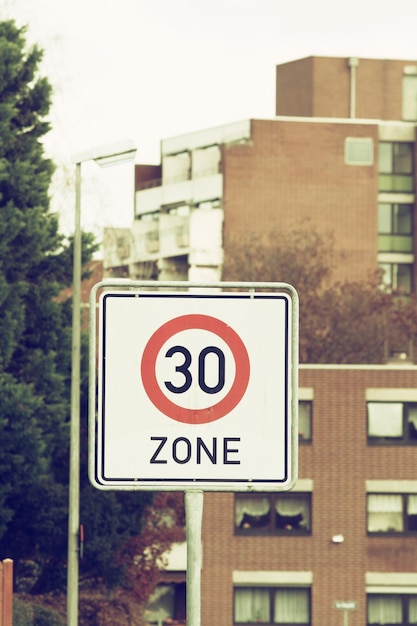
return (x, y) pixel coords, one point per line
(402, 367)
(241, 129)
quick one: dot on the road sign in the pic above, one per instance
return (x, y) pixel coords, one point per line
(196, 389)
(157, 392)
(345, 605)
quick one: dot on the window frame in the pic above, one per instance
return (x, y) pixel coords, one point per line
(301, 438)
(272, 590)
(391, 270)
(409, 94)
(272, 529)
(393, 178)
(359, 151)
(404, 597)
(384, 440)
(394, 210)
(395, 239)
(168, 597)
(407, 531)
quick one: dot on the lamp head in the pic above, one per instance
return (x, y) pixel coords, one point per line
(109, 154)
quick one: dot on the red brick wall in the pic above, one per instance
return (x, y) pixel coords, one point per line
(339, 461)
(294, 88)
(379, 88)
(331, 87)
(145, 174)
(320, 87)
(293, 172)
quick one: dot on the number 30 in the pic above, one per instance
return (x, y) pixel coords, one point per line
(184, 369)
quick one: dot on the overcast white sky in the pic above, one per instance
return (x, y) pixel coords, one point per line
(151, 69)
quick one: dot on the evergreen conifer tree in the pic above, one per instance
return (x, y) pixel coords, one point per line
(35, 351)
(35, 327)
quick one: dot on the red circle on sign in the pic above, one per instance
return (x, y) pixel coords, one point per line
(160, 400)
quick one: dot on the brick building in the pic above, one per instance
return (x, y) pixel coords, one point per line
(341, 546)
(340, 153)
(357, 495)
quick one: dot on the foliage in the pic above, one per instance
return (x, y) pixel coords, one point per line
(43, 616)
(349, 322)
(35, 325)
(143, 556)
(35, 361)
(97, 607)
(32, 413)
(110, 519)
(28, 614)
(22, 613)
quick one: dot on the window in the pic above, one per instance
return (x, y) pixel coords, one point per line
(410, 94)
(395, 227)
(167, 604)
(305, 413)
(397, 276)
(273, 513)
(263, 605)
(392, 513)
(392, 422)
(359, 151)
(396, 167)
(305, 409)
(392, 609)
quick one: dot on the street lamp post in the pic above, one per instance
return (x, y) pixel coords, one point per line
(105, 156)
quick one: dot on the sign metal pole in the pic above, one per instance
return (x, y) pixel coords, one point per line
(345, 606)
(154, 397)
(193, 517)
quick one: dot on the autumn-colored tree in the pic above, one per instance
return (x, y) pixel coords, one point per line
(358, 322)
(143, 556)
(349, 322)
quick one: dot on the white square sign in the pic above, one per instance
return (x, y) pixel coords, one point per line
(195, 390)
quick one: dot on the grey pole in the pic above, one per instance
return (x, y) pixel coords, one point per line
(194, 517)
(74, 468)
(121, 152)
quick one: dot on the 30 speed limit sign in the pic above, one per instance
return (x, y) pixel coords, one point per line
(195, 389)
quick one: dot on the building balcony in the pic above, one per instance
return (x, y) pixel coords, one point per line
(197, 236)
(192, 192)
(118, 247)
(174, 238)
(148, 240)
